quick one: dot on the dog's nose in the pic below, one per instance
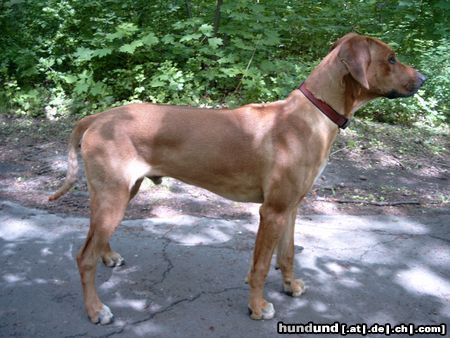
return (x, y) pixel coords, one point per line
(422, 78)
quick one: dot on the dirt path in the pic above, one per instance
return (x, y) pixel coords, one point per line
(390, 170)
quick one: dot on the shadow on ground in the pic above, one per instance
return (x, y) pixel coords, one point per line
(184, 275)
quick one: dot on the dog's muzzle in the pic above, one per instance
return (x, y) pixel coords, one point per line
(411, 89)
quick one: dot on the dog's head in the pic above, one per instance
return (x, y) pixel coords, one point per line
(375, 67)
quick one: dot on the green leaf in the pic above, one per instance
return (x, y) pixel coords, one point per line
(101, 52)
(227, 59)
(127, 28)
(150, 39)
(271, 39)
(69, 78)
(83, 54)
(168, 39)
(131, 47)
(81, 87)
(231, 72)
(98, 89)
(241, 44)
(190, 37)
(206, 30)
(215, 42)
(157, 83)
(123, 30)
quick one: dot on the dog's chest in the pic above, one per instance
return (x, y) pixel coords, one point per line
(320, 170)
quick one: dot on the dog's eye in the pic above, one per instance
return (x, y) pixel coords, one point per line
(392, 60)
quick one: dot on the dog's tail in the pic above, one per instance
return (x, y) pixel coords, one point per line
(72, 158)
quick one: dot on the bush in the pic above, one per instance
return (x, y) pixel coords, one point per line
(77, 57)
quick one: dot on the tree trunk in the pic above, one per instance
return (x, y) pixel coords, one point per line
(187, 4)
(217, 16)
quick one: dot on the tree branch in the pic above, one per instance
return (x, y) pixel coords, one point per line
(379, 204)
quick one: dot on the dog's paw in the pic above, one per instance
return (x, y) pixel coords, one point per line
(104, 317)
(294, 288)
(267, 312)
(113, 259)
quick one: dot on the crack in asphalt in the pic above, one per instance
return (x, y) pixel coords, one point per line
(439, 238)
(372, 247)
(172, 305)
(84, 334)
(168, 261)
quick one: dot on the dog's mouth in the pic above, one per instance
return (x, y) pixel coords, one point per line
(410, 89)
(393, 94)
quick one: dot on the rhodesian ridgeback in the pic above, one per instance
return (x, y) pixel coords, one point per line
(265, 153)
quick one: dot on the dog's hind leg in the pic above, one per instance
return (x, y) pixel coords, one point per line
(108, 204)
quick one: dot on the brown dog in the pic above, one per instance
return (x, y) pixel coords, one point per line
(266, 153)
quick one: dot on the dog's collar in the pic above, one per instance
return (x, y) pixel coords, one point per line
(332, 114)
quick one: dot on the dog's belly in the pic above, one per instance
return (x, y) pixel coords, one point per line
(227, 168)
(238, 188)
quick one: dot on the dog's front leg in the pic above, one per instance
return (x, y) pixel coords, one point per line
(285, 259)
(273, 223)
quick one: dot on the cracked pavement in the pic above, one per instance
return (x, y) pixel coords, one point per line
(184, 275)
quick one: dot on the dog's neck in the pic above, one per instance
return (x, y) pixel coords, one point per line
(336, 87)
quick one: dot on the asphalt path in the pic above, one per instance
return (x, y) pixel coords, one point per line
(184, 276)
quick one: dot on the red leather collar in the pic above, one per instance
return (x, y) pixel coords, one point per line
(332, 114)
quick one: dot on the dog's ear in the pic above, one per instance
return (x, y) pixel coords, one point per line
(341, 40)
(355, 55)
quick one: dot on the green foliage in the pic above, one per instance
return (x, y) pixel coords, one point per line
(83, 56)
